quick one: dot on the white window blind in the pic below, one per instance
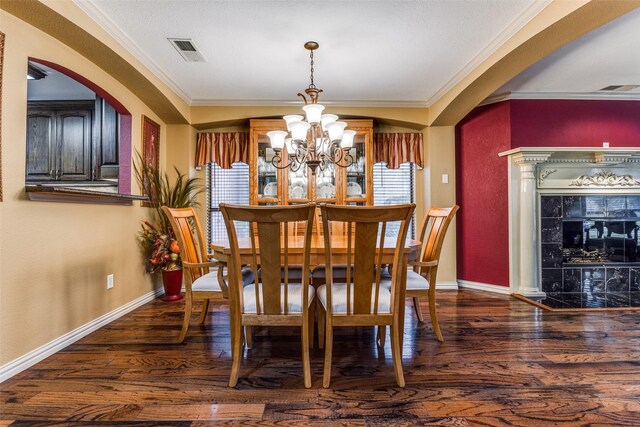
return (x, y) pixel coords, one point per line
(226, 186)
(394, 187)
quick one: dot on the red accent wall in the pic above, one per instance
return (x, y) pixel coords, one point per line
(571, 123)
(481, 182)
(482, 223)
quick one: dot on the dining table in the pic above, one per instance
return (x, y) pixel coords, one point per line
(295, 248)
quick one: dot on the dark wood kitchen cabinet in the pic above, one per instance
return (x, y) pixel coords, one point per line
(71, 141)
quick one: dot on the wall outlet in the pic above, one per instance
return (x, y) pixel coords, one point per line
(109, 281)
(445, 178)
(605, 145)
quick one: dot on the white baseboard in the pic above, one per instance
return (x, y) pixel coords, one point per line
(447, 286)
(20, 364)
(484, 287)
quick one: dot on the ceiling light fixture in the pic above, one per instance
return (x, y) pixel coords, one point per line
(319, 140)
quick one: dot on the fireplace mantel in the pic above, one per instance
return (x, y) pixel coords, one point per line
(557, 170)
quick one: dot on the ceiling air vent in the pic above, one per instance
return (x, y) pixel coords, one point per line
(619, 88)
(187, 50)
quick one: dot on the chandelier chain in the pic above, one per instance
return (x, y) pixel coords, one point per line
(311, 55)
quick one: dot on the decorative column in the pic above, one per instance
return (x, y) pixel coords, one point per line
(528, 280)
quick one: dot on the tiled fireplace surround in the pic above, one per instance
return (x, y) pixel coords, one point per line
(552, 192)
(611, 278)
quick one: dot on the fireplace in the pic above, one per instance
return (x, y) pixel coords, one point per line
(589, 252)
(574, 223)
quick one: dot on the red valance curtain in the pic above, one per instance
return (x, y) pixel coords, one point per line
(397, 148)
(223, 148)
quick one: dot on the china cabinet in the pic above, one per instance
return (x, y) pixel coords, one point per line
(272, 184)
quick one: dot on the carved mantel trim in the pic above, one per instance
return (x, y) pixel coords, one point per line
(606, 178)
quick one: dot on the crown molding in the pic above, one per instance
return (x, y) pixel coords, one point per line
(95, 13)
(591, 96)
(525, 17)
(289, 103)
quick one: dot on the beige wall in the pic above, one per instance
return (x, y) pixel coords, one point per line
(440, 155)
(55, 257)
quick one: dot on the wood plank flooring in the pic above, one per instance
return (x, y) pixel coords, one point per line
(503, 362)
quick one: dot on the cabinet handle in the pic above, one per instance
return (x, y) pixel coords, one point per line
(51, 174)
(93, 174)
(58, 173)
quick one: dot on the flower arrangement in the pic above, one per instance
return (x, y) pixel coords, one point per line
(158, 239)
(163, 250)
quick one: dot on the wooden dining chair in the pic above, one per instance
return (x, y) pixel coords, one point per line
(200, 283)
(272, 300)
(421, 278)
(359, 300)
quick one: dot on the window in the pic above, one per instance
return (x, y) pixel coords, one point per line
(226, 186)
(394, 187)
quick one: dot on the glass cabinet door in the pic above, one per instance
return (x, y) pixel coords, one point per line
(297, 185)
(326, 184)
(267, 173)
(356, 172)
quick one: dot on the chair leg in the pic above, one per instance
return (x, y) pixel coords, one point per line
(248, 336)
(236, 353)
(328, 349)
(306, 365)
(416, 307)
(205, 310)
(312, 322)
(382, 335)
(433, 314)
(186, 320)
(396, 355)
(321, 325)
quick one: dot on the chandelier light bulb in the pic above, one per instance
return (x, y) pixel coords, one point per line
(314, 112)
(347, 139)
(326, 119)
(336, 129)
(292, 118)
(277, 139)
(299, 130)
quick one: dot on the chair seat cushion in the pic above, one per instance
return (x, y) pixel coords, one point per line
(339, 298)
(294, 299)
(209, 282)
(415, 282)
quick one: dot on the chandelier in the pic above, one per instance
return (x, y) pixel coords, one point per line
(318, 141)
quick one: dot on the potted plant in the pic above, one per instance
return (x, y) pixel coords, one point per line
(158, 239)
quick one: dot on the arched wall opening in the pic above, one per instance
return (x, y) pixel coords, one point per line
(125, 124)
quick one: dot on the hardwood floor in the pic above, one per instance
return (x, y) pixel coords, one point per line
(503, 362)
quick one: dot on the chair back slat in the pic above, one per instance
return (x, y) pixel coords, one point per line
(433, 231)
(366, 227)
(364, 262)
(270, 267)
(378, 268)
(188, 233)
(269, 234)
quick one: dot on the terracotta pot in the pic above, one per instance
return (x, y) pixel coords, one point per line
(172, 283)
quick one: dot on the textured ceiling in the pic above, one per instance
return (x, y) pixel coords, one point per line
(609, 55)
(371, 52)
